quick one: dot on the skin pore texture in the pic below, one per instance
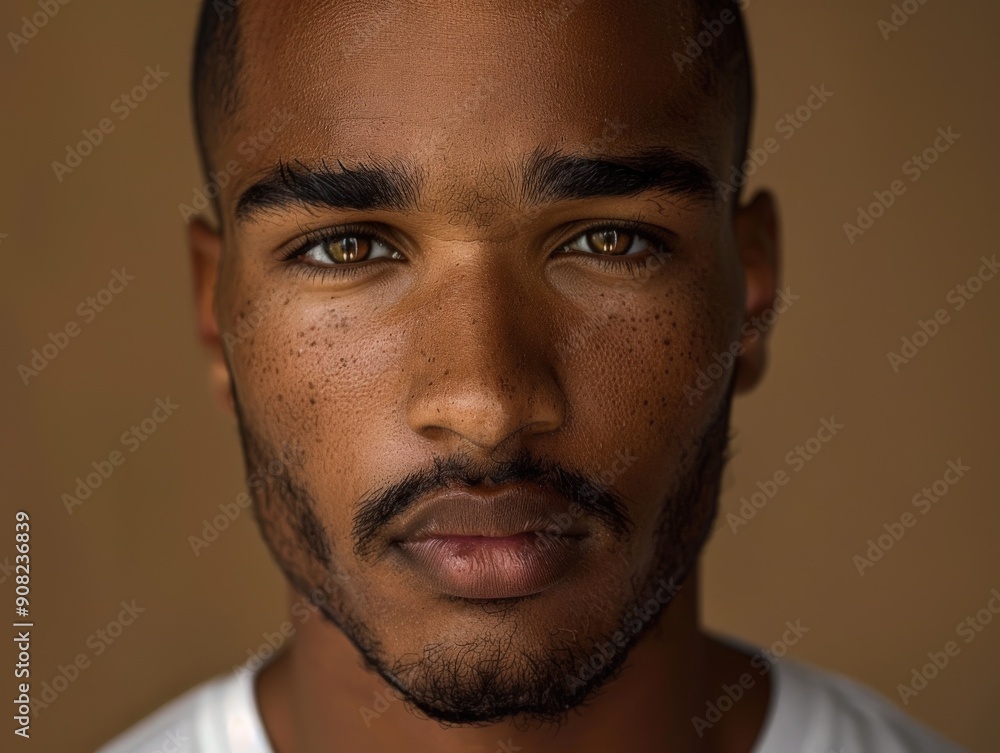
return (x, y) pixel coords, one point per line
(492, 314)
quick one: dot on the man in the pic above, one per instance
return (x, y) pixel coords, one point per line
(472, 264)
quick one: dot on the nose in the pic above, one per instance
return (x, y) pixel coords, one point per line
(480, 360)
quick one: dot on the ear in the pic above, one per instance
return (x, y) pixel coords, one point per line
(206, 257)
(755, 226)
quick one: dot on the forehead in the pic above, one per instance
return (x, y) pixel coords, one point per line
(467, 88)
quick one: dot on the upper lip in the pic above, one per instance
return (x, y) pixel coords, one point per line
(505, 511)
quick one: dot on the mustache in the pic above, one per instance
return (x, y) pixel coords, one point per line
(379, 508)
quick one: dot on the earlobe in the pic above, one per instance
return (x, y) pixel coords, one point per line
(755, 226)
(206, 258)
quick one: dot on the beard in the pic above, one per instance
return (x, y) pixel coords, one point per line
(506, 671)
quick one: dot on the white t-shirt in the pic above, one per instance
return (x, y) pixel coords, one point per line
(811, 711)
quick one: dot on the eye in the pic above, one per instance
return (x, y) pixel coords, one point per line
(614, 240)
(334, 250)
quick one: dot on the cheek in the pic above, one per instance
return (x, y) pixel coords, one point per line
(305, 369)
(636, 381)
(315, 376)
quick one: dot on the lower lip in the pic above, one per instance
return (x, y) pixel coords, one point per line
(493, 567)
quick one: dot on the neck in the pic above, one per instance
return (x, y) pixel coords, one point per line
(318, 691)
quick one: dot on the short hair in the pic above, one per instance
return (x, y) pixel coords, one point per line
(724, 61)
(215, 72)
(728, 63)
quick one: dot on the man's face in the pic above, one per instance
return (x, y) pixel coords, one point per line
(522, 327)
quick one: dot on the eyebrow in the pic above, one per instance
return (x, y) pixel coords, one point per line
(548, 176)
(380, 185)
(551, 176)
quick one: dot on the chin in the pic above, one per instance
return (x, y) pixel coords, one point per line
(529, 659)
(502, 675)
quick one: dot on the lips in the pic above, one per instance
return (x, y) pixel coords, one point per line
(507, 543)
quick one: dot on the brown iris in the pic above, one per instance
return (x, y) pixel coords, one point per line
(610, 242)
(347, 248)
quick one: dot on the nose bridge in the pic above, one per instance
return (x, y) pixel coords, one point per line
(478, 356)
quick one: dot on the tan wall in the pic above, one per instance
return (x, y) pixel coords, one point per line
(792, 561)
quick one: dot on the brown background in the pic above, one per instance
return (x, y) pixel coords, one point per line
(793, 561)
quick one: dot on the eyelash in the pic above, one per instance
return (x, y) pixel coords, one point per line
(661, 240)
(310, 239)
